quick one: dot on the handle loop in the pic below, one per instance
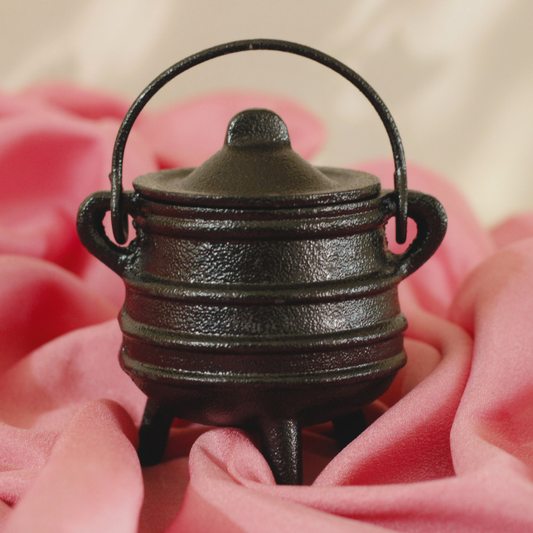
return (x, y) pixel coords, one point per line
(120, 228)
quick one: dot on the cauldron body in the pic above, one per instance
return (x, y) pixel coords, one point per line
(268, 311)
(241, 317)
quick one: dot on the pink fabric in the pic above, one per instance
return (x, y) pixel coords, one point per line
(451, 447)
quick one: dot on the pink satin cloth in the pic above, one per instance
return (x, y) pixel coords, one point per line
(450, 448)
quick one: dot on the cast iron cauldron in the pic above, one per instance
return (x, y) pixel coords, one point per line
(260, 292)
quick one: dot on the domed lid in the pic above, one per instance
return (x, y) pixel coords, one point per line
(257, 167)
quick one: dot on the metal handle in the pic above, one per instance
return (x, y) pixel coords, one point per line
(431, 223)
(93, 236)
(120, 228)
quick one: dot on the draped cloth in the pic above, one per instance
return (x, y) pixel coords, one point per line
(450, 447)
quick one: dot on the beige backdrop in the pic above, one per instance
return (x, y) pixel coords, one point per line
(456, 74)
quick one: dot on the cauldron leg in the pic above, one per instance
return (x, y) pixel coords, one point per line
(281, 441)
(153, 433)
(348, 427)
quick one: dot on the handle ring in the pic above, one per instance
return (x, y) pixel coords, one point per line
(120, 229)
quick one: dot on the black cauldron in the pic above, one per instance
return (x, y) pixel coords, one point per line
(260, 292)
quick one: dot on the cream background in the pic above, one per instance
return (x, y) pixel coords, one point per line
(457, 75)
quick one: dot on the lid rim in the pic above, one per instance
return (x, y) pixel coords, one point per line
(369, 190)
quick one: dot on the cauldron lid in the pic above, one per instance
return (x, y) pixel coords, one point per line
(257, 167)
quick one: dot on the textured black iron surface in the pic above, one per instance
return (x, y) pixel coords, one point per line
(260, 291)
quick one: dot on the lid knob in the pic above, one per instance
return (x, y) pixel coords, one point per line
(257, 127)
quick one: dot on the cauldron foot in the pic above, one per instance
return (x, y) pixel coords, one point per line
(153, 434)
(348, 427)
(281, 441)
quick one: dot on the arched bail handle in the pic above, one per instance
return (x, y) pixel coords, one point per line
(120, 228)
